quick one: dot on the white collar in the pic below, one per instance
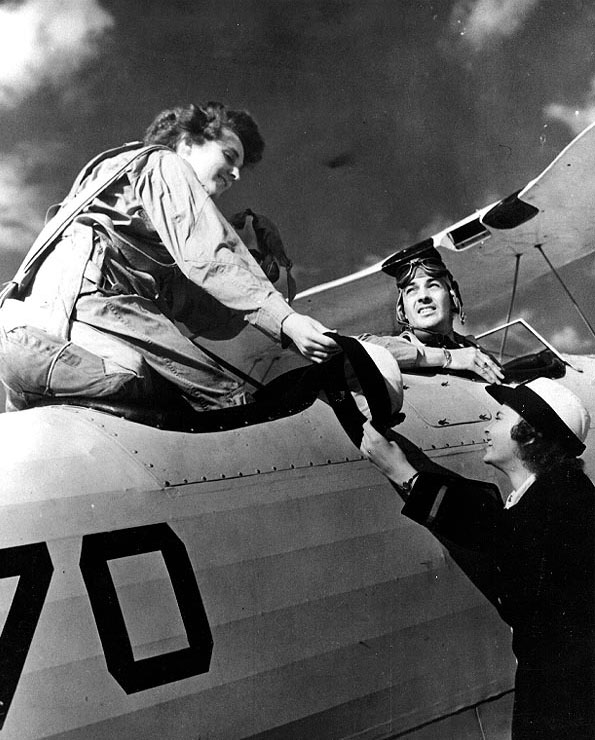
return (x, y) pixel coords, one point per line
(516, 495)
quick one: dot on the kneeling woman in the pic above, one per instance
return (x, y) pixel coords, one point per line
(147, 249)
(539, 544)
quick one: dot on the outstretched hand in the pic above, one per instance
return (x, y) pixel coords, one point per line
(475, 360)
(387, 456)
(308, 335)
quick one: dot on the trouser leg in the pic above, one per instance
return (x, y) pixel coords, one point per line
(34, 364)
(143, 329)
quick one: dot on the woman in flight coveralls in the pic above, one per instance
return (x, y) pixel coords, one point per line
(151, 249)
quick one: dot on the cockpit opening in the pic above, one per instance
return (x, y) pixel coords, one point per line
(523, 352)
(288, 394)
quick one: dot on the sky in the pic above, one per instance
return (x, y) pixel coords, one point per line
(385, 121)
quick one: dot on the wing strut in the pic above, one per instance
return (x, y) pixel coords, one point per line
(511, 304)
(566, 290)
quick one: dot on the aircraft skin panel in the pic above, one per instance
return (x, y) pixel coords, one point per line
(320, 596)
(90, 449)
(335, 528)
(279, 536)
(105, 447)
(311, 437)
(489, 720)
(53, 452)
(270, 697)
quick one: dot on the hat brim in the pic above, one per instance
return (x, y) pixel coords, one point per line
(542, 417)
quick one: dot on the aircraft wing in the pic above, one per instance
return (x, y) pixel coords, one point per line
(554, 211)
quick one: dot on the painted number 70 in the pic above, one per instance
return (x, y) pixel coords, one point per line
(33, 564)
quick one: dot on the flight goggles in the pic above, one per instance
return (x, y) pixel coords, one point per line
(431, 267)
(402, 265)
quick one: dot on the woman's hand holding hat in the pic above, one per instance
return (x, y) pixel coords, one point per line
(308, 335)
(387, 456)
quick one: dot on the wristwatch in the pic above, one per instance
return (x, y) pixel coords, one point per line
(406, 487)
(447, 357)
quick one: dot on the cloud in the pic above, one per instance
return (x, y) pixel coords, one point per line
(478, 22)
(46, 42)
(568, 339)
(23, 199)
(575, 117)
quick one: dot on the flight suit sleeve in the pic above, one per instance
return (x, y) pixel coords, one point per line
(204, 245)
(201, 314)
(408, 355)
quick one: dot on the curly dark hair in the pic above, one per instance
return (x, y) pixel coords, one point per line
(540, 454)
(206, 122)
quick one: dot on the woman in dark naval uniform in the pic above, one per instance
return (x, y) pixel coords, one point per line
(538, 544)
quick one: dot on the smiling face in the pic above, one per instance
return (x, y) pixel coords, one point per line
(501, 448)
(217, 163)
(427, 303)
